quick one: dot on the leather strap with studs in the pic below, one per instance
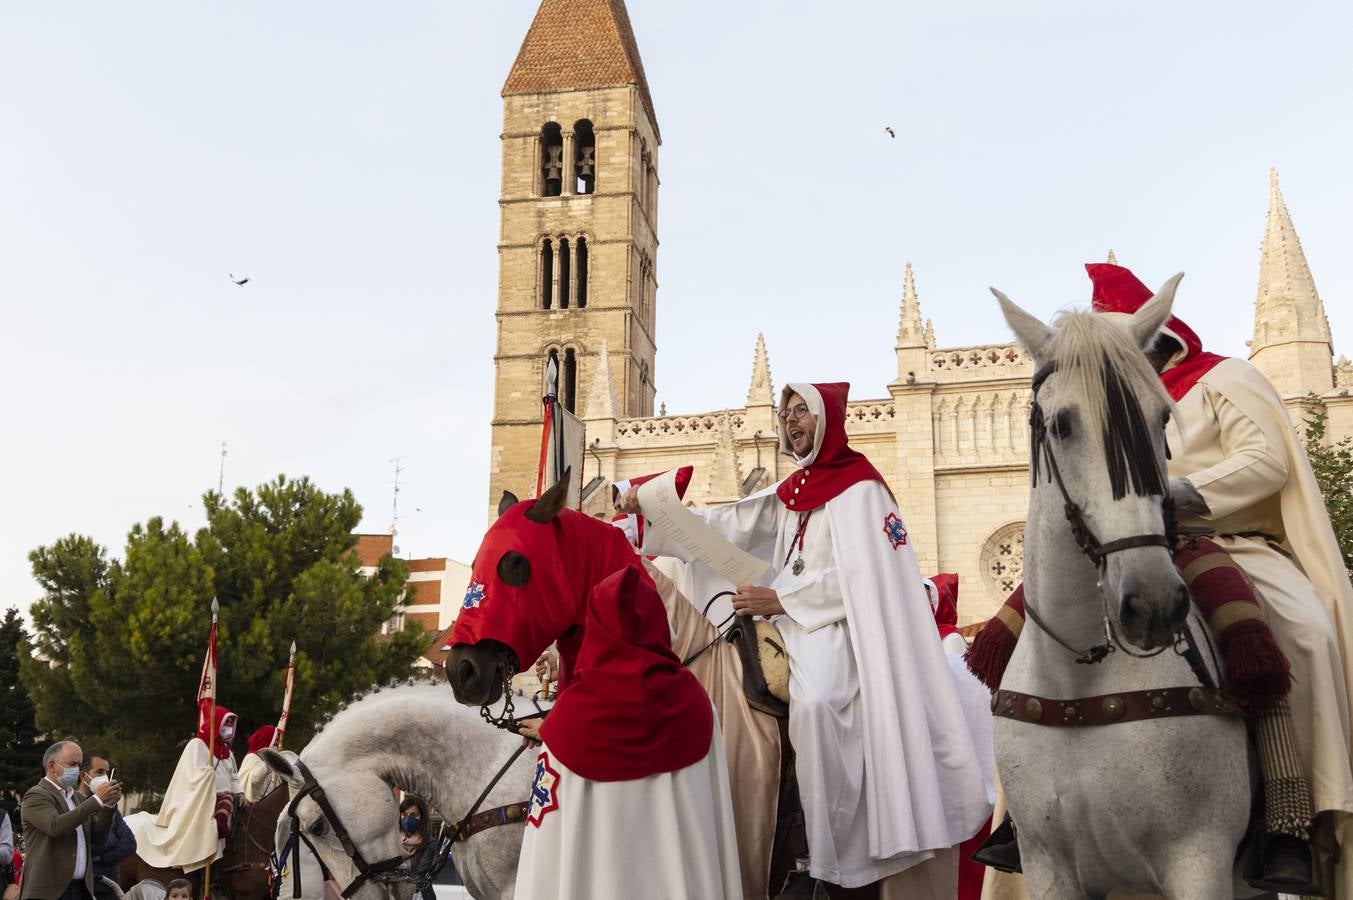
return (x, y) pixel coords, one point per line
(1113, 709)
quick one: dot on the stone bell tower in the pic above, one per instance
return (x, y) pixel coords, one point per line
(578, 242)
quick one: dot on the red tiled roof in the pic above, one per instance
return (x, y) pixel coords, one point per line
(579, 44)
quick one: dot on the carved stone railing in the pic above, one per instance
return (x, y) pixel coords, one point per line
(977, 363)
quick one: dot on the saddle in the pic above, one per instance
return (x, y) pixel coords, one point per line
(765, 665)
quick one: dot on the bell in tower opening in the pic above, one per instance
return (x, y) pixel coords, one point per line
(551, 160)
(585, 162)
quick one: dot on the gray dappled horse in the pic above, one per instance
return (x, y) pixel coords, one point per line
(1153, 804)
(418, 738)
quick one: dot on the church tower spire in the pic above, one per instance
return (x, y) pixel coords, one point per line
(761, 392)
(578, 238)
(910, 328)
(1292, 344)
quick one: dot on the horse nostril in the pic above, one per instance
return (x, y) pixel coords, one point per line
(467, 672)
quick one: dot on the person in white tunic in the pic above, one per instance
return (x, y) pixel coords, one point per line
(256, 779)
(194, 818)
(1236, 466)
(888, 768)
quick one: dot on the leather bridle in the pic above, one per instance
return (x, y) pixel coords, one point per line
(386, 870)
(1097, 551)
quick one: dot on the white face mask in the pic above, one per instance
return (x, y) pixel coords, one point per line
(227, 732)
(97, 782)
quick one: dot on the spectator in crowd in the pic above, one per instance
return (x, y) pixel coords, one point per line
(9, 808)
(59, 833)
(120, 844)
(413, 835)
(179, 889)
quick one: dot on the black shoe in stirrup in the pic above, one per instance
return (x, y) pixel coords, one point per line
(1001, 850)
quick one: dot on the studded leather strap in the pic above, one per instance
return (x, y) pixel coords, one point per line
(489, 818)
(1112, 709)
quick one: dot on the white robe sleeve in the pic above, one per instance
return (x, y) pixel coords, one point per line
(1253, 470)
(747, 524)
(816, 601)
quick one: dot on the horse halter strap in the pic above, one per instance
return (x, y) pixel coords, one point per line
(1095, 550)
(366, 871)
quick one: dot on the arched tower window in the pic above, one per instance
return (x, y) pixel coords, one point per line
(584, 157)
(563, 273)
(547, 274)
(568, 389)
(551, 160)
(580, 255)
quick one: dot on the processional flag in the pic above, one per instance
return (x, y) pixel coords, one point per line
(562, 441)
(286, 698)
(206, 688)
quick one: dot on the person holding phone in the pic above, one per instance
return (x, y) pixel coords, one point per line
(121, 843)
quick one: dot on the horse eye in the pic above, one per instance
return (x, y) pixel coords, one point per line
(514, 568)
(317, 829)
(1061, 426)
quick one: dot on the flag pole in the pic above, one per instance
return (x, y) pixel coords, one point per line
(211, 737)
(286, 696)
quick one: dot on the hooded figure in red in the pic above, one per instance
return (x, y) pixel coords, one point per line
(888, 763)
(224, 721)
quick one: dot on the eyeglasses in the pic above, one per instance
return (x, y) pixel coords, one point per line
(797, 412)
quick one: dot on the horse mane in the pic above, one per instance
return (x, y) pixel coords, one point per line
(1099, 362)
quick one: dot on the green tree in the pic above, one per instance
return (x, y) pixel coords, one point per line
(20, 751)
(1333, 465)
(129, 636)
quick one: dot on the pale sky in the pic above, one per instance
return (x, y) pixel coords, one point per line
(345, 156)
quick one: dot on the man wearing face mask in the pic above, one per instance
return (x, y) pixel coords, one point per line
(120, 844)
(61, 828)
(888, 767)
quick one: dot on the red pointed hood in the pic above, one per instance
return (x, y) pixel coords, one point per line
(944, 602)
(1117, 290)
(831, 466)
(262, 738)
(221, 748)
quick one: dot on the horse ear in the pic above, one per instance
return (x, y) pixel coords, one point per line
(508, 501)
(276, 761)
(1147, 321)
(1032, 334)
(552, 501)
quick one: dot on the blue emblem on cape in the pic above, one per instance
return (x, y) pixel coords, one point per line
(544, 791)
(474, 595)
(897, 534)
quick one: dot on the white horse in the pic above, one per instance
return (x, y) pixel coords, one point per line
(1146, 805)
(418, 738)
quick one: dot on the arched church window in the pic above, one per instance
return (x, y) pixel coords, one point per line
(551, 160)
(568, 389)
(584, 157)
(547, 274)
(580, 255)
(564, 272)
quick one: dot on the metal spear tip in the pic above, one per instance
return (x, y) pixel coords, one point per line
(293, 648)
(215, 606)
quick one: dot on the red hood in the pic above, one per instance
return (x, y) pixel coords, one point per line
(221, 749)
(1117, 290)
(831, 466)
(946, 604)
(262, 738)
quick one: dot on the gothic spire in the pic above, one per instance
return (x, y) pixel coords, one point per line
(911, 331)
(761, 392)
(1287, 307)
(601, 402)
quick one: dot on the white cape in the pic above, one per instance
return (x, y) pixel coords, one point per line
(665, 837)
(183, 833)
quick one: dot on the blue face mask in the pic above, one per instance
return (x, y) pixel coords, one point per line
(410, 824)
(70, 777)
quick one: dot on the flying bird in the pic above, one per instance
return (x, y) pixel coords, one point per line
(240, 281)
(889, 129)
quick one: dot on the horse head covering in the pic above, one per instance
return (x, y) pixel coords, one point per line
(221, 749)
(831, 466)
(632, 710)
(1118, 292)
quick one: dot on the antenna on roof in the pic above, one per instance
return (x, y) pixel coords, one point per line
(394, 505)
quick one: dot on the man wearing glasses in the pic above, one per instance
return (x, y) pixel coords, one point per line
(891, 773)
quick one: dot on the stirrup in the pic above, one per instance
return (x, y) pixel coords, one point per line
(1000, 851)
(1307, 883)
